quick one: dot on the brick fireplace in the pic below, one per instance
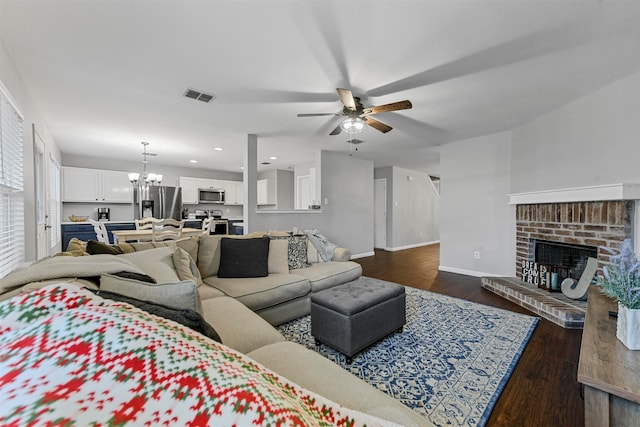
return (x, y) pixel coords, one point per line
(596, 223)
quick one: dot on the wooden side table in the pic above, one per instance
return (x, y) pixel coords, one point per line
(608, 370)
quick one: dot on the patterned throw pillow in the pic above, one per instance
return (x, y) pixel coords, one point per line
(298, 252)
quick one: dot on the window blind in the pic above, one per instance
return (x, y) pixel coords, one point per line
(11, 186)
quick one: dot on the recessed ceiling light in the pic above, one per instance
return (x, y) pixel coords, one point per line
(242, 167)
(193, 161)
(273, 158)
(218, 148)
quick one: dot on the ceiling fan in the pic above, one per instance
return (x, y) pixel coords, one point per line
(357, 115)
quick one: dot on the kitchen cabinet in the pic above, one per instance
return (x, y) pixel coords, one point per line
(95, 185)
(233, 192)
(84, 231)
(190, 186)
(189, 190)
(266, 192)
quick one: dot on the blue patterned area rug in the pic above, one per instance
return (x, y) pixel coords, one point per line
(449, 364)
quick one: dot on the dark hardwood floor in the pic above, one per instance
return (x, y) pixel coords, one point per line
(543, 390)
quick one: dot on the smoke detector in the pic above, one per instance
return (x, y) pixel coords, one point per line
(199, 96)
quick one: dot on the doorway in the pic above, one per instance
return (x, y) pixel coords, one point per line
(380, 213)
(42, 228)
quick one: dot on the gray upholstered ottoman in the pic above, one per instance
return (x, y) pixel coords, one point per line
(353, 316)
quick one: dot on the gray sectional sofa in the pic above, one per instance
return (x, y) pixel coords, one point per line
(243, 311)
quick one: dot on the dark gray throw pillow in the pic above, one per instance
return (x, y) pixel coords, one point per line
(244, 257)
(189, 318)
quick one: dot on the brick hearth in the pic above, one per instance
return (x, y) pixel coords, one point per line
(602, 223)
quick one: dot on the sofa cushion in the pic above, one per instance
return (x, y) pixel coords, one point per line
(207, 291)
(186, 267)
(325, 275)
(261, 292)
(157, 263)
(241, 258)
(238, 326)
(183, 295)
(318, 374)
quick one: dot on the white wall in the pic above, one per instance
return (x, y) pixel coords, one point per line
(475, 215)
(413, 208)
(21, 94)
(591, 141)
(347, 219)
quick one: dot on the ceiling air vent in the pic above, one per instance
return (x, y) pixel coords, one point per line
(265, 163)
(199, 96)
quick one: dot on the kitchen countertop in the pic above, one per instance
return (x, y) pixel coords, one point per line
(87, 222)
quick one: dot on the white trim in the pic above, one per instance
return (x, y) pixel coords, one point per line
(362, 255)
(467, 272)
(416, 245)
(619, 191)
(288, 211)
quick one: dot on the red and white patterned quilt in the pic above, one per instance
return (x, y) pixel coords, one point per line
(68, 358)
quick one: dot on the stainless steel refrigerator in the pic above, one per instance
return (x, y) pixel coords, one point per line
(158, 202)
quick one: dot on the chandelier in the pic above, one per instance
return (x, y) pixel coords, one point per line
(145, 178)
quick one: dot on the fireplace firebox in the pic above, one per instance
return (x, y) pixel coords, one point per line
(566, 259)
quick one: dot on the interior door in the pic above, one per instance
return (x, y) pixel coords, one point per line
(380, 213)
(42, 226)
(54, 193)
(303, 195)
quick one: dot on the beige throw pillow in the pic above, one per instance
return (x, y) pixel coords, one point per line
(186, 267)
(278, 256)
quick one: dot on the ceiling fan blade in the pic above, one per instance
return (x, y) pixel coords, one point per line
(377, 125)
(394, 106)
(337, 130)
(318, 114)
(347, 99)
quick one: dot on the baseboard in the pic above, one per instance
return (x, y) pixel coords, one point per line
(416, 245)
(467, 272)
(362, 255)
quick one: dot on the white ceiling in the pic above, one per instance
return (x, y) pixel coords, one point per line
(109, 74)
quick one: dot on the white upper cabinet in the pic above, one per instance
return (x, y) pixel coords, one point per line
(233, 192)
(266, 192)
(189, 190)
(95, 185)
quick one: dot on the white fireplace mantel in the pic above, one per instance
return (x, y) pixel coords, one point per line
(580, 194)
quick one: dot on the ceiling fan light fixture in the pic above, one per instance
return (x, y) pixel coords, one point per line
(353, 125)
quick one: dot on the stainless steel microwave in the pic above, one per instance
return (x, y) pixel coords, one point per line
(211, 195)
